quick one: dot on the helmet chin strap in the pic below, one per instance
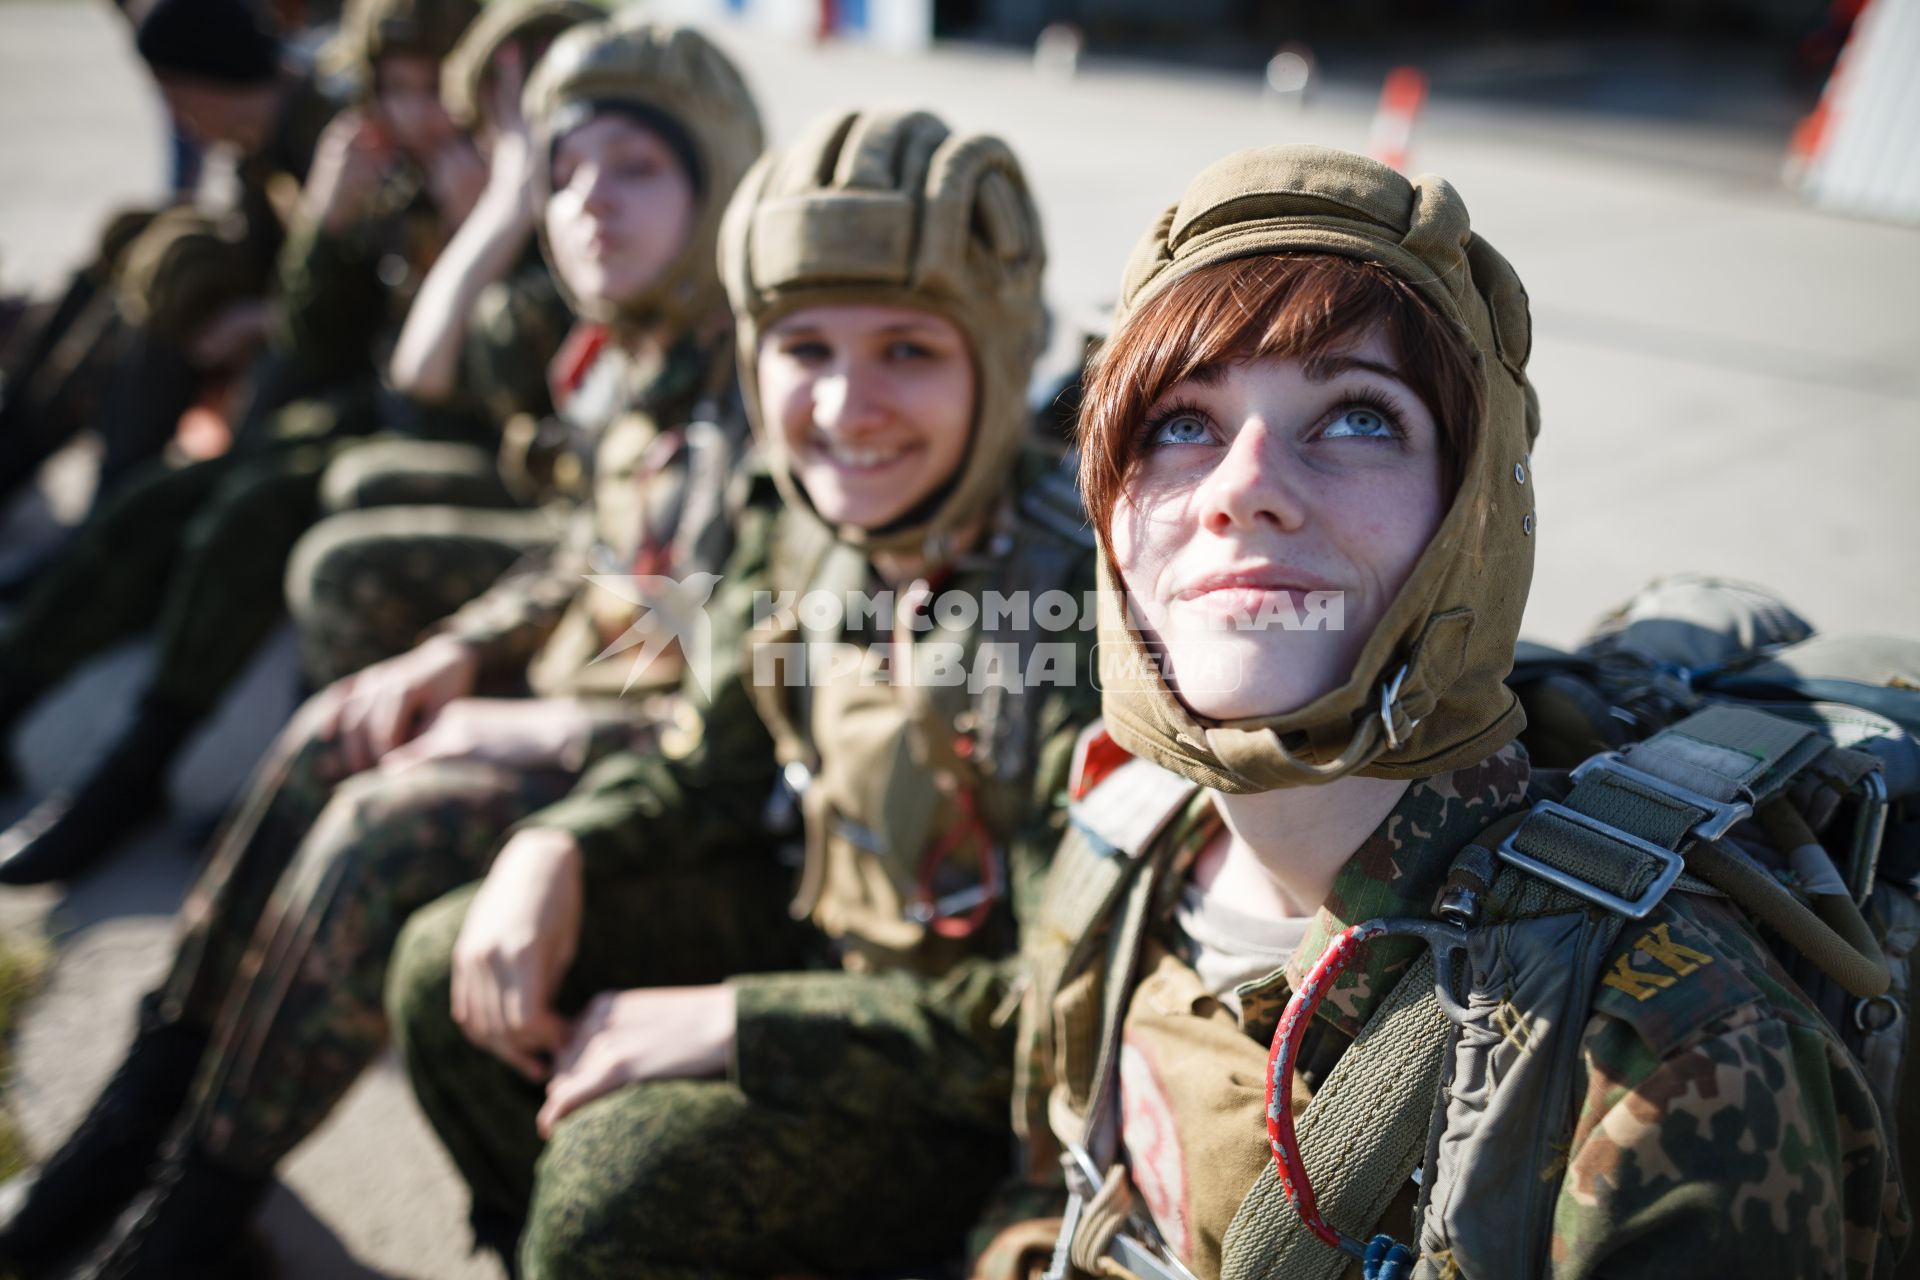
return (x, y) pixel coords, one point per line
(1373, 735)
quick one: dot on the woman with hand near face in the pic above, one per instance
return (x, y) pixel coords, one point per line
(616, 1107)
(397, 786)
(416, 528)
(1306, 454)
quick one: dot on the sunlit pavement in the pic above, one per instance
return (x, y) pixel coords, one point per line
(1727, 378)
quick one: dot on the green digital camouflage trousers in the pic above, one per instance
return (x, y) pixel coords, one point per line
(195, 552)
(683, 1178)
(288, 929)
(414, 530)
(198, 553)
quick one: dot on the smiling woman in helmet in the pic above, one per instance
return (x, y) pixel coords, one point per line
(1306, 455)
(849, 1113)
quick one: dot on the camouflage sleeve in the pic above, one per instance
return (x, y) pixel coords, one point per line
(802, 1037)
(515, 327)
(1745, 1143)
(636, 808)
(509, 621)
(331, 303)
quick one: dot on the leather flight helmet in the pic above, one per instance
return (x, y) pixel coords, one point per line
(374, 29)
(533, 24)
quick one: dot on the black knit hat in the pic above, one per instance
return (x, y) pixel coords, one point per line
(230, 41)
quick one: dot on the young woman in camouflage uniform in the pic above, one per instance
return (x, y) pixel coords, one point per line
(616, 1108)
(1317, 383)
(396, 787)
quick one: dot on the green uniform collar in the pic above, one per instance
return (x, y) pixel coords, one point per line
(1396, 871)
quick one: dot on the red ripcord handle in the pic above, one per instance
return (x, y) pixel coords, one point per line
(1280, 1059)
(967, 824)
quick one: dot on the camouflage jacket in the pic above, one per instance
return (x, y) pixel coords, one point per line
(639, 505)
(513, 333)
(1721, 1129)
(937, 1020)
(343, 294)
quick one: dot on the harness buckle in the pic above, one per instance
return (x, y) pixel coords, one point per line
(957, 903)
(1721, 815)
(1638, 908)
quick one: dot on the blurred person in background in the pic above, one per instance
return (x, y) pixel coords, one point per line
(176, 299)
(415, 529)
(198, 553)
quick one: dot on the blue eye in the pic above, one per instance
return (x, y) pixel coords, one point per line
(1181, 428)
(1360, 423)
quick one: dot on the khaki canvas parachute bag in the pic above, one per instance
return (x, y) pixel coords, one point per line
(1719, 748)
(869, 760)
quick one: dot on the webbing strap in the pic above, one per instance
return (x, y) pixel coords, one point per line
(1616, 840)
(1124, 945)
(1361, 1138)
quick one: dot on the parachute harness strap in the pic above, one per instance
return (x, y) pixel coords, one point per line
(962, 914)
(1381, 1258)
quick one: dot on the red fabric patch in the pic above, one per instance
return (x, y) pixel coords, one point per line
(1095, 756)
(583, 345)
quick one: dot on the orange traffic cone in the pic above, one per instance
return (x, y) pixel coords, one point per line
(1811, 135)
(1401, 99)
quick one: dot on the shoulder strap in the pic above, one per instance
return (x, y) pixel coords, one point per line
(1361, 1137)
(1109, 833)
(1053, 551)
(1636, 819)
(802, 550)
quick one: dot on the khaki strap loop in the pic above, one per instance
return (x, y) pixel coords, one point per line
(1361, 1137)
(1104, 1217)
